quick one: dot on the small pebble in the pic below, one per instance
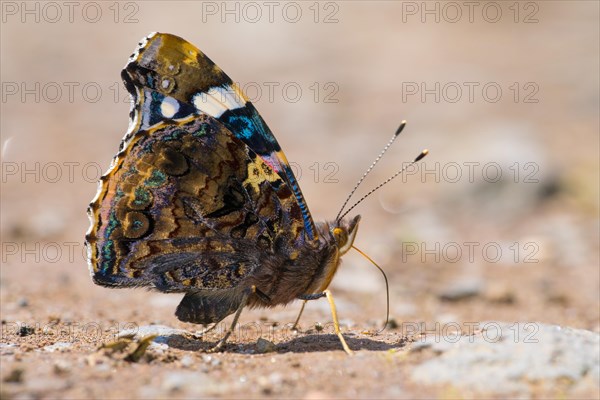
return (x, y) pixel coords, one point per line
(461, 289)
(264, 346)
(176, 381)
(62, 367)
(211, 360)
(15, 376)
(58, 346)
(187, 361)
(393, 324)
(23, 302)
(25, 330)
(275, 379)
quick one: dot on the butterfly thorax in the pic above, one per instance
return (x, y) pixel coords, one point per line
(290, 273)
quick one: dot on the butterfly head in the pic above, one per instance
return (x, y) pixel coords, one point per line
(344, 233)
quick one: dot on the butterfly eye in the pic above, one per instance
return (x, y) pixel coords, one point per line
(341, 236)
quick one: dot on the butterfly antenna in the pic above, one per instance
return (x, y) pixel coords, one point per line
(387, 288)
(418, 158)
(387, 146)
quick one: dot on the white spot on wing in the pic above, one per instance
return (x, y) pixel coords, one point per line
(169, 107)
(218, 100)
(209, 105)
(227, 96)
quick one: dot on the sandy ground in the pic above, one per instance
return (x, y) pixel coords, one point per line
(459, 252)
(53, 332)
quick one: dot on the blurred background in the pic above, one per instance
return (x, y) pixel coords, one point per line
(500, 221)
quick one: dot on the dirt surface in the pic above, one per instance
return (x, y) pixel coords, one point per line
(53, 332)
(461, 252)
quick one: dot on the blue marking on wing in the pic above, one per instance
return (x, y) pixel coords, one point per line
(242, 126)
(155, 100)
(246, 124)
(308, 224)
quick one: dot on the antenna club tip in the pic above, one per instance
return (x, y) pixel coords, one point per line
(401, 127)
(423, 154)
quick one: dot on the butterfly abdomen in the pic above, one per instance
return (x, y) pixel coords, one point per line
(208, 306)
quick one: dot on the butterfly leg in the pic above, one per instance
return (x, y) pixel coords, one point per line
(336, 323)
(203, 332)
(305, 297)
(243, 304)
(295, 326)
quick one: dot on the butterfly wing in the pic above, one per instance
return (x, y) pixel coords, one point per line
(186, 204)
(170, 78)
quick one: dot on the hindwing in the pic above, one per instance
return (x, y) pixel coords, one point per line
(186, 204)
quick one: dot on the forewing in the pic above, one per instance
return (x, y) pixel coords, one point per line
(170, 78)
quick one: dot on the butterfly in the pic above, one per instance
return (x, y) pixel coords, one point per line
(201, 200)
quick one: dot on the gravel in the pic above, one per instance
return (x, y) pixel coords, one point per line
(513, 359)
